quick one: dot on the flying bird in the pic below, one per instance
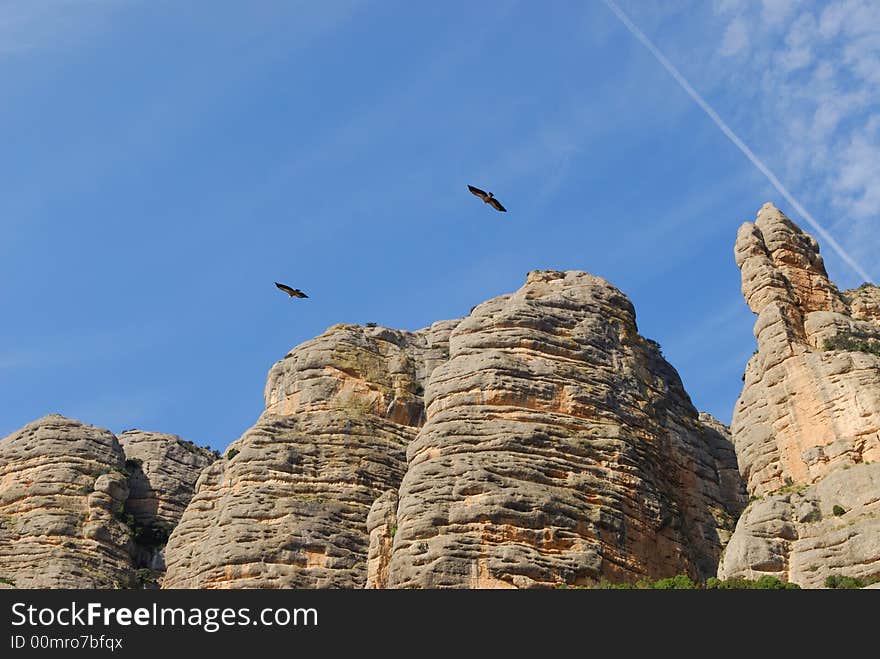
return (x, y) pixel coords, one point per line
(292, 292)
(488, 198)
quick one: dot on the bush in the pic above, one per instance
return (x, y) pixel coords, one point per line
(852, 344)
(152, 535)
(146, 579)
(838, 511)
(419, 390)
(133, 463)
(684, 582)
(654, 346)
(231, 453)
(678, 582)
(371, 324)
(7, 581)
(840, 582)
(127, 519)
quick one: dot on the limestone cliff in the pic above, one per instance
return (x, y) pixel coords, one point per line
(807, 425)
(74, 505)
(62, 487)
(559, 448)
(288, 505)
(556, 446)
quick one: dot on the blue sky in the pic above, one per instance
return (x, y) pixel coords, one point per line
(163, 164)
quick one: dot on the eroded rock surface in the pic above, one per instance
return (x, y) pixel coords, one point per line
(288, 505)
(62, 491)
(807, 425)
(559, 447)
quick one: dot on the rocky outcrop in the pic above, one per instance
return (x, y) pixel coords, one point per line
(62, 491)
(807, 425)
(538, 442)
(288, 505)
(382, 526)
(80, 509)
(559, 448)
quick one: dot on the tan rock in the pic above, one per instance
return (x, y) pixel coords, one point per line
(559, 448)
(806, 413)
(289, 509)
(809, 532)
(382, 527)
(62, 490)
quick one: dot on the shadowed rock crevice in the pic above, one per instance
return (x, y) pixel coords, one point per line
(162, 471)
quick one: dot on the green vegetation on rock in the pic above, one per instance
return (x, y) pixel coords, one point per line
(852, 344)
(684, 582)
(841, 582)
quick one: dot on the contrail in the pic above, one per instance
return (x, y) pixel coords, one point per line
(733, 137)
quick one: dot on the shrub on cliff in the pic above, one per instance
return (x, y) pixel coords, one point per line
(852, 344)
(841, 582)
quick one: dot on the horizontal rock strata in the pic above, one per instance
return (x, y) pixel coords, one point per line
(288, 505)
(559, 448)
(62, 491)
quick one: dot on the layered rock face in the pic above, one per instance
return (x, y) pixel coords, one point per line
(540, 441)
(288, 506)
(80, 509)
(62, 487)
(807, 425)
(559, 448)
(556, 446)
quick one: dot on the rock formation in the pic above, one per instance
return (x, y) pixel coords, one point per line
(79, 509)
(288, 505)
(62, 491)
(807, 425)
(557, 446)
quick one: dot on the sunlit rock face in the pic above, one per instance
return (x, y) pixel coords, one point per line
(287, 506)
(81, 508)
(539, 441)
(559, 448)
(807, 425)
(62, 487)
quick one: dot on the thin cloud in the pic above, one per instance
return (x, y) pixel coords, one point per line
(778, 11)
(813, 79)
(736, 38)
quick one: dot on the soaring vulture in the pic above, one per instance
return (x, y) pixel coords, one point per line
(488, 198)
(292, 292)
